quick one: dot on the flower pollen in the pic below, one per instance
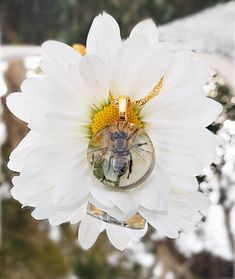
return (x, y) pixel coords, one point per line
(109, 114)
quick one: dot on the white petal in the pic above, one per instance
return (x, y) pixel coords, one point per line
(38, 148)
(177, 103)
(48, 159)
(19, 155)
(179, 207)
(28, 194)
(72, 187)
(100, 194)
(44, 210)
(148, 214)
(185, 70)
(104, 39)
(129, 62)
(51, 124)
(183, 152)
(180, 65)
(198, 73)
(79, 214)
(188, 184)
(181, 112)
(94, 76)
(41, 96)
(150, 72)
(209, 110)
(181, 165)
(196, 218)
(181, 224)
(60, 218)
(137, 234)
(56, 57)
(124, 200)
(118, 236)
(153, 195)
(18, 106)
(50, 95)
(89, 230)
(197, 200)
(199, 143)
(164, 226)
(149, 29)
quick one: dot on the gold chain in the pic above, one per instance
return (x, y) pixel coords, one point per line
(156, 90)
(141, 102)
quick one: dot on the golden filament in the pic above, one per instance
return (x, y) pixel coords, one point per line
(156, 90)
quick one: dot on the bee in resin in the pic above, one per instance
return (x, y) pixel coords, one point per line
(121, 159)
(121, 155)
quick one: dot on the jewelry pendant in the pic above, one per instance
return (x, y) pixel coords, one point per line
(121, 156)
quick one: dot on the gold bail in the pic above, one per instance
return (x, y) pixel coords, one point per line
(123, 107)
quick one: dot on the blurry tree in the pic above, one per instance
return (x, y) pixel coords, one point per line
(95, 263)
(32, 22)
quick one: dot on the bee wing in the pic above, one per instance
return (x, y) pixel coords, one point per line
(140, 152)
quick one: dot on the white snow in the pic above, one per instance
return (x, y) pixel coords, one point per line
(209, 31)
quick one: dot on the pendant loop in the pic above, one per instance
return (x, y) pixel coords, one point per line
(123, 107)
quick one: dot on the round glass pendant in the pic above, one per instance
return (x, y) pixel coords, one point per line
(121, 155)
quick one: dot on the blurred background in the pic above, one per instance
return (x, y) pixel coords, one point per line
(31, 249)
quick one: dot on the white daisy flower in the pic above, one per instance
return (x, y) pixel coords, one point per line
(103, 149)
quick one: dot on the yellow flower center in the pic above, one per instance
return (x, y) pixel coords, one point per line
(108, 115)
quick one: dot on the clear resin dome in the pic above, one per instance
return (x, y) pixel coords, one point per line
(121, 155)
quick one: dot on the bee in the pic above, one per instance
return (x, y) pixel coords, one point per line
(121, 159)
(113, 161)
